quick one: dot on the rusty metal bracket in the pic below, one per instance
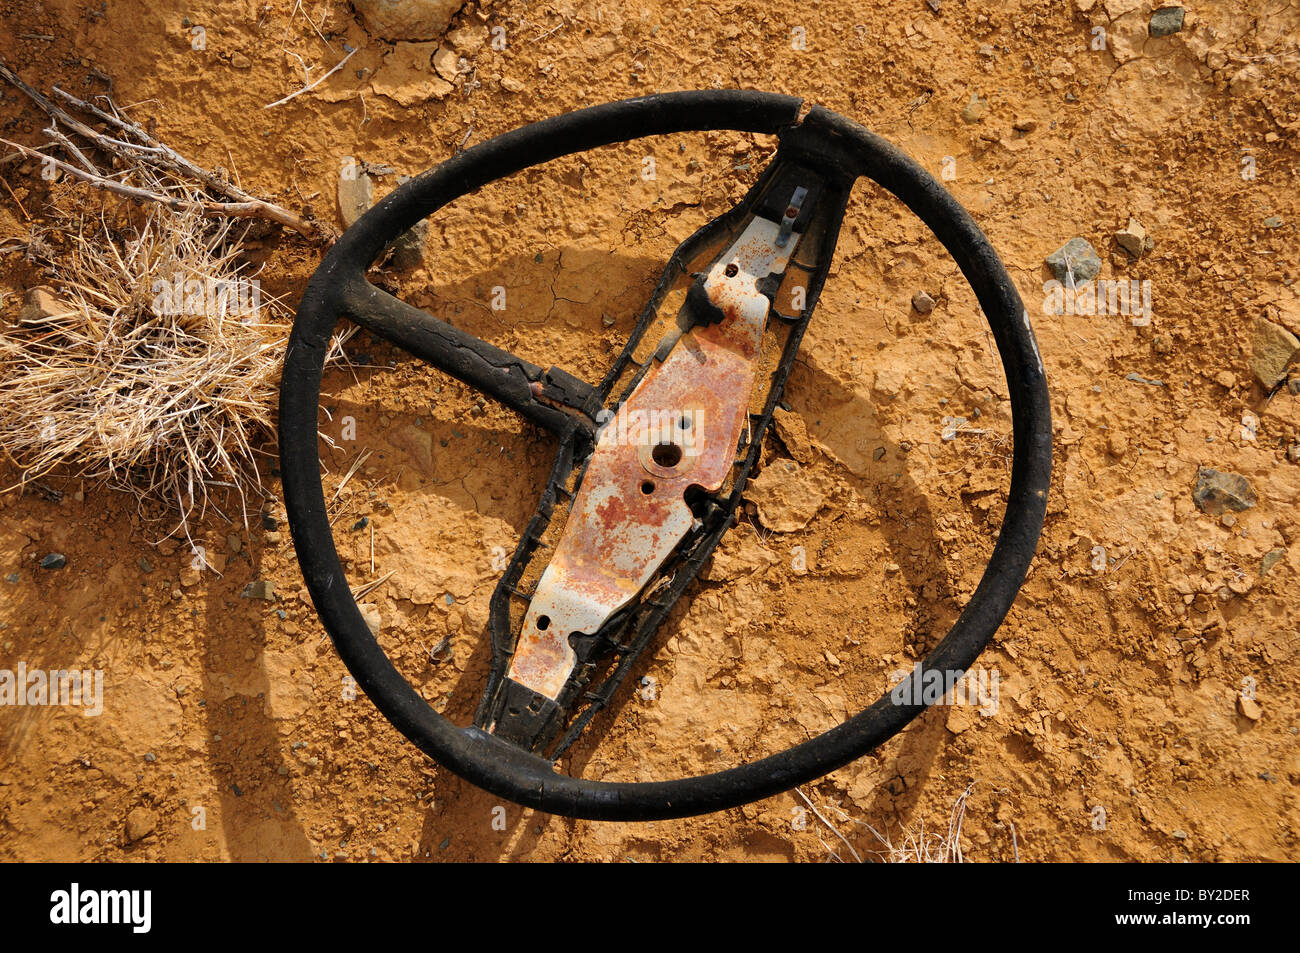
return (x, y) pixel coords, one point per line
(663, 453)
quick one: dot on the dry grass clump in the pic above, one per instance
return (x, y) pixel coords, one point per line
(917, 846)
(157, 370)
(153, 363)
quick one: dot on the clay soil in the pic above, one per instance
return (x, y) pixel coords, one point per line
(1120, 731)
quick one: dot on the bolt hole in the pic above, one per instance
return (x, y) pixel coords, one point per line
(731, 270)
(685, 423)
(543, 622)
(667, 455)
(647, 487)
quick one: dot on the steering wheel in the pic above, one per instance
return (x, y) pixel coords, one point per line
(828, 148)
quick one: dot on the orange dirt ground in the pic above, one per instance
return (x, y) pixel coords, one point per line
(1120, 672)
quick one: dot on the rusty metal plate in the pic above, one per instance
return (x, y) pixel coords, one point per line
(678, 428)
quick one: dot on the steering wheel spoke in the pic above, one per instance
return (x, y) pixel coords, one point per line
(550, 397)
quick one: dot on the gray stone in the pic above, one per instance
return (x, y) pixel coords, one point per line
(407, 19)
(1217, 491)
(1167, 20)
(922, 302)
(1271, 559)
(1076, 257)
(408, 249)
(259, 589)
(1272, 349)
(54, 561)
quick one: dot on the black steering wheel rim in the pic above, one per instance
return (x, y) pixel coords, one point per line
(494, 764)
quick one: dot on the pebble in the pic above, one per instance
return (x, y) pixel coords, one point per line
(40, 303)
(1272, 349)
(511, 85)
(259, 589)
(922, 302)
(407, 19)
(1292, 454)
(1134, 239)
(361, 523)
(1167, 20)
(54, 561)
(370, 612)
(1249, 708)
(1273, 221)
(234, 544)
(270, 522)
(408, 248)
(356, 194)
(1077, 257)
(12, 578)
(240, 61)
(140, 823)
(145, 565)
(1271, 559)
(975, 110)
(1216, 492)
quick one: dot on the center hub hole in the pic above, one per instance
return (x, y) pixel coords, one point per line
(667, 455)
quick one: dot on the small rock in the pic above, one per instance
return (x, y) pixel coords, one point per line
(259, 589)
(1271, 559)
(1025, 125)
(12, 578)
(1133, 238)
(140, 823)
(234, 544)
(150, 757)
(240, 61)
(407, 19)
(1216, 492)
(408, 248)
(1273, 348)
(793, 432)
(1292, 454)
(786, 496)
(144, 564)
(356, 194)
(361, 523)
(975, 110)
(370, 612)
(1076, 258)
(511, 85)
(922, 302)
(1249, 708)
(446, 63)
(54, 561)
(189, 578)
(1166, 20)
(1273, 221)
(39, 304)
(269, 522)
